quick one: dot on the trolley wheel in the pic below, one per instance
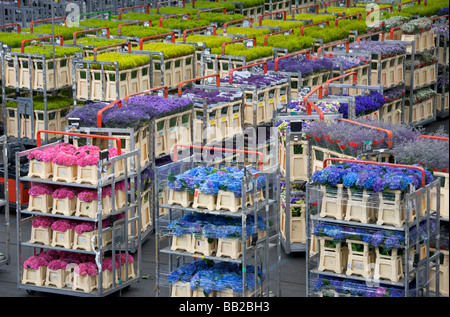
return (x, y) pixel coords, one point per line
(30, 292)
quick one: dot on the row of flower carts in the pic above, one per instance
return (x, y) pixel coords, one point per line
(233, 168)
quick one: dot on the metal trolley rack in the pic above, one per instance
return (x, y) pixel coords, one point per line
(257, 250)
(417, 258)
(4, 203)
(112, 240)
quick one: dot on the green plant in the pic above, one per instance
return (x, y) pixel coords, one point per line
(181, 24)
(66, 32)
(53, 102)
(249, 32)
(140, 31)
(135, 16)
(347, 11)
(13, 39)
(315, 17)
(60, 51)
(250, 3)
(99, 42)
(170, 50)
(170, 10)
(112, 24)
(285, 25)
(220, 18)
(208, 4)
(291, 42)
(125, 61)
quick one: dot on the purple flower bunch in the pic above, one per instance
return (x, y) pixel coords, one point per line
(212, 97)
(253, 79)
(393, 94)
(364, 104)
(138, 111)
(40, 189)
(347, 62)
(370, 177)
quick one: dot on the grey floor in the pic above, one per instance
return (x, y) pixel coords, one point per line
(293, 275)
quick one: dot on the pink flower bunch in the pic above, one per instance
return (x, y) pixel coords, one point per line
(123, 258)
(65, 192)
(107, 191)
(42, 221)
(63, 225)
(87, 155)
(85, 226)
(87, 195)
(57, 265)
(87, 268)
(49, 153)
(40, 189)
(34, 262)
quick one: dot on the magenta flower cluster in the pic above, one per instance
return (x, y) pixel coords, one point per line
(40, 189)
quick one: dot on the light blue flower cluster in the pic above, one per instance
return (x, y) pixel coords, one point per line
(371, 177)
(214, 226)
(210, 180)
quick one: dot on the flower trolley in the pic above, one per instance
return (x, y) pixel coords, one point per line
(213, 240)
(384, 253)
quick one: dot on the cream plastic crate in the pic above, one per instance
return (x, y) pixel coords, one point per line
(360, 262)
(202, 200)
(362, 79)
(360, 206)
(83, 241)
(56, 278)
(249, 104)
(318, 155)
(229, 292)
(442, 106)
(423, 41)
(85, 283)
(200, 292)
(52, 121)
(183, 242)
(332, 259)
(176, 70)
(227, 201)
(298, 162)
(42, 170)
(229, 248)
(62, 239)
(333, 204)
(392, 211)
(388, 267)
(296, 226)
(41, 235)
(146, 213)
(89, 209)
(11, 122)
(36, 277)
(42, 203)
(444, 195)
(181, 289)
(182, 198)
(64, 173)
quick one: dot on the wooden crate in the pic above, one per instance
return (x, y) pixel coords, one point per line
(443, 275)
(392, 208)
(42, 203)
(296, 226)
(41, 235)
(32, 276)
(442, 106)
(298, 162)
(62, 239)
(423, 41)
(441, 56)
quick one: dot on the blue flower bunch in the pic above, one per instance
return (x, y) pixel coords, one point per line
(370, 177)
(364, 104)
(185, 272)
(223, 275)
(214, 226)
(387, 240)
(210, 180)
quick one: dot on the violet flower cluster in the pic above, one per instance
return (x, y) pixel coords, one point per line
(212, 97)
(306, 67)
(252, 79)
(364, 104)
(386, 49)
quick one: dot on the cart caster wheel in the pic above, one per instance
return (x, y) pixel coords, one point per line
(30, 292)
